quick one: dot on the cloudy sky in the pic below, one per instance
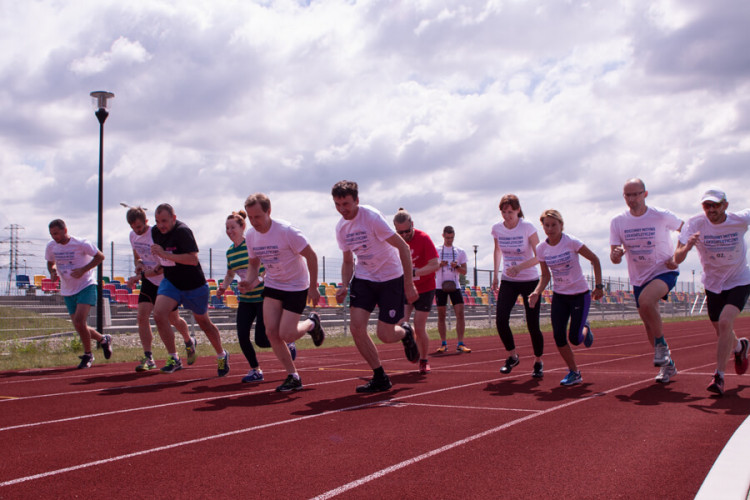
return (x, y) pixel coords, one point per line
(440, 107)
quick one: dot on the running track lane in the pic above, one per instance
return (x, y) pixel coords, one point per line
(464, 430)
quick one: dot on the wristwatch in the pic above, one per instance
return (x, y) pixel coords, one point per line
(599, 286)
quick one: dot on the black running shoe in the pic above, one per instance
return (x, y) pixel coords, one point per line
(375, 385)
(86, 361)
(106, 344)
(317, 333)
(410, 346)
(538, 370)
(510, 363)
(290, 384)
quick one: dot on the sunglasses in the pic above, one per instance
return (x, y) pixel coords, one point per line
(405, 231)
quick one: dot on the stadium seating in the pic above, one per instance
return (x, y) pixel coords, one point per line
(23, 281)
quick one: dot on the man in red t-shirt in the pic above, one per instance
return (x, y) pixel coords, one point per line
(424, 258)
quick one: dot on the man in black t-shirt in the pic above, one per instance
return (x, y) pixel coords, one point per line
(183, 283)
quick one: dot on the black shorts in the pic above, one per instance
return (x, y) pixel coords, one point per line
(424, 301)
(290, 301)
(148, 292)
(441, 297)
(736, 297)
(389, 296)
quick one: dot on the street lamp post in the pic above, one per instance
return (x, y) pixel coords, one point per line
(476, 247)
(99, 99)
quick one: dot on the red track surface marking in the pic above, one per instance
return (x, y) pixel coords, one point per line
(462, 431)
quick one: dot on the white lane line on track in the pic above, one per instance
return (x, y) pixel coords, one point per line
(396, 404)
(246, 393)
(299, 419)
(406, 463)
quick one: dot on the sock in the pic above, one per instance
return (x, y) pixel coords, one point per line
(660, 341)
(460, 343)
(222, 355)
(174, 355)
(446, 343)
(720, 374)
(295, 375)
(738, 347)
(148, 354)
(379, 373)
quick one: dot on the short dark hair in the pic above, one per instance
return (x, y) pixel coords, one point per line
(164, 207)
(342, 189)
(58, 223)
(448, 230)
(134, 214)
(261, 199)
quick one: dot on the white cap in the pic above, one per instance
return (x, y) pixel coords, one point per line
(715, 195)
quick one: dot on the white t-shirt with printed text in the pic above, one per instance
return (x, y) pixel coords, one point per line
(365, 235)
(722, 250)
(564, 265)
(647, 241)
(516, 248)
(279, 251)
(141, 243)
(75, 254)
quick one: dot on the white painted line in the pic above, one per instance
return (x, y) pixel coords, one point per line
(406, 463)
(460, 407)
(729, 478)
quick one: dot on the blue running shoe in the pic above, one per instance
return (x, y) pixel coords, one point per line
(589, 338)
(173, 364)
(292, 350)
(572, 378)
(253, 376)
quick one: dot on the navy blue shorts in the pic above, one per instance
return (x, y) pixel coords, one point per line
(669, 278)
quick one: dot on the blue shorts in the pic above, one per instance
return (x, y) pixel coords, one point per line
(389, 296)
(669, 278)
(196, 299)
(86, 296)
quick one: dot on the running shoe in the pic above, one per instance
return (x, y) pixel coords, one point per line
(510, 363)
(290, 384)
(572, 378)
(424, 366)
(462, 348)
(661, 355)
(666, 373)
(717, 385)
(253, 376)
(146, 364)
(740, 358)
(191, 354)
(538, 370)
(292, 350)
(86, 361)
(223, 364)
(375, 385)
(410, 347)
(173, 364)
(106, 344)
(589, 338)
(317, 333)
(442, 349)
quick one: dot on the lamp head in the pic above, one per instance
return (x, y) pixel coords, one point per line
(99, 99)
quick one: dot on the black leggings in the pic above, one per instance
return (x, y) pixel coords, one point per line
(573, 308)
(506, 299)
(247, 312)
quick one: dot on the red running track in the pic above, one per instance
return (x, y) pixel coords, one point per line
(464, 430)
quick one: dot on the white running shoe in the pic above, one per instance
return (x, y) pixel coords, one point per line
(666, 373)
(661, 355)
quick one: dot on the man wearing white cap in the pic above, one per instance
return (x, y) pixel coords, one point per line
(719, 237)
(643, 233)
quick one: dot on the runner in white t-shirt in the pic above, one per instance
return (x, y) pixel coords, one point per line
(719, 237)
(642, 236)
(291, 280)
(571, 298)
(382, 277)
(72, 260)
(149, 273)
(515, 248)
